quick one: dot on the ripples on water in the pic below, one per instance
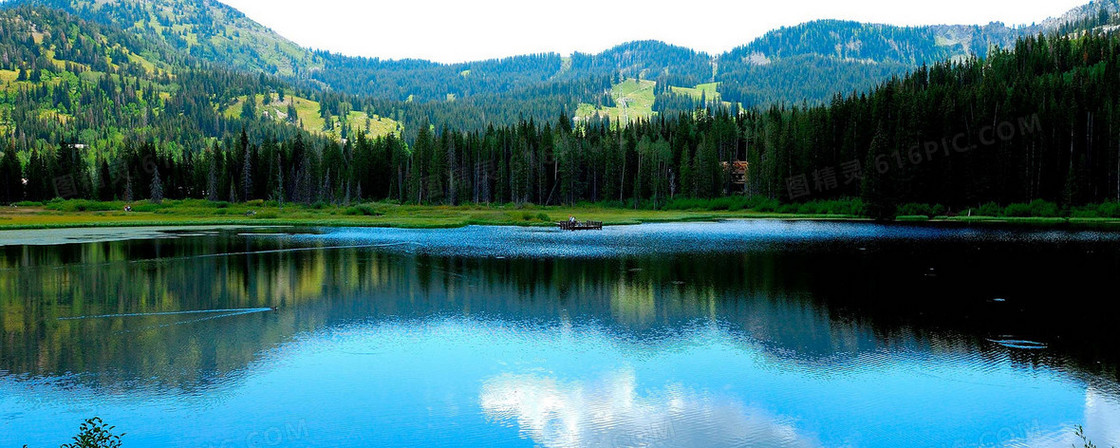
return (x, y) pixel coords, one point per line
(676, 238)
(779, 334)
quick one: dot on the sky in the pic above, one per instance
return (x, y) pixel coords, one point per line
(458, 31)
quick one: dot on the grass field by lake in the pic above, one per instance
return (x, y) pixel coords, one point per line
(82, 213)
(59, 214)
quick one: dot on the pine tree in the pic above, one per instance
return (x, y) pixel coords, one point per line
(417, 178)
(247, 177)
(325, 191)
(278, 191)
(157, 187)
(249, 108)
(11, 177)
(688, 186)
(212, 177)
(875, 187)
(127, 187)
(104, 182)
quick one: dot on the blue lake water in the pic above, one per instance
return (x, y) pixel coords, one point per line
(754, 333)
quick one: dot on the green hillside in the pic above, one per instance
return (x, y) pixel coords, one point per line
(707, 92)
(78, 98)
(632, 98)
(205, 29)
(59, 74)
(307, 116)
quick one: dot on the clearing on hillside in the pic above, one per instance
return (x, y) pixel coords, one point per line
(633, 100)
(307, 116)
(708, 92)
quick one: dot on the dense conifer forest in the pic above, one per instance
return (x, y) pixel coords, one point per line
(92, 111)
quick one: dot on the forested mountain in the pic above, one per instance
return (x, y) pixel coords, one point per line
(1033, 122)
(808, 62)
(206, 29)
(78, 98)
(419, 80)
(648, 59)
(1036, 121)
(816, 60)
(1091, 15)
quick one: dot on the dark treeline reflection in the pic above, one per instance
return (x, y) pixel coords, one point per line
(812, 303)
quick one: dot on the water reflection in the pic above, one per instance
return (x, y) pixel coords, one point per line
(611, 411)
(691, 335)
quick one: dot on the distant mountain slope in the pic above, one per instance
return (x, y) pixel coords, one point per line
(848, 40)
(64, 79)
(1084, 17)
(33, 40)
(648, 59)
(417, 80)
(206, 29)
(816, 60)
(422, 80)
(810, 62)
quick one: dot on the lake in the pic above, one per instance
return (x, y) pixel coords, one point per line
(744, 333)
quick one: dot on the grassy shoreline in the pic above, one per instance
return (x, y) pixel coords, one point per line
(91, 214)
(75, 214)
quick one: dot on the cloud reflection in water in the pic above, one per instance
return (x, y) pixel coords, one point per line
(613, 412)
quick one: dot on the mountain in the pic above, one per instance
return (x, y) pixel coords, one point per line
(810, 62)
(807, 63)
(67, 83)
(419, 80)
(206, 29)
(1092, 15)
(814, 61)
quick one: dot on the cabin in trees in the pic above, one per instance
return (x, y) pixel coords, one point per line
(738, 171)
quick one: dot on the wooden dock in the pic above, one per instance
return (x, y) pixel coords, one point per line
(578, 225)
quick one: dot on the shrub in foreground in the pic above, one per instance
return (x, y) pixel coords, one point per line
(95, 433)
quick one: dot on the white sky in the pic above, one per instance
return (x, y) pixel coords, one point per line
(456, 31)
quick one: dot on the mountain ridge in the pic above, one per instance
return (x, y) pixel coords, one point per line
(842, 56)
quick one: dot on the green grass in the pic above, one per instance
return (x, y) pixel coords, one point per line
(378, 125)
(709, 91)
(83, 213)
(308, 112)
(8, 75)
(706, 90)
(633, 101)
